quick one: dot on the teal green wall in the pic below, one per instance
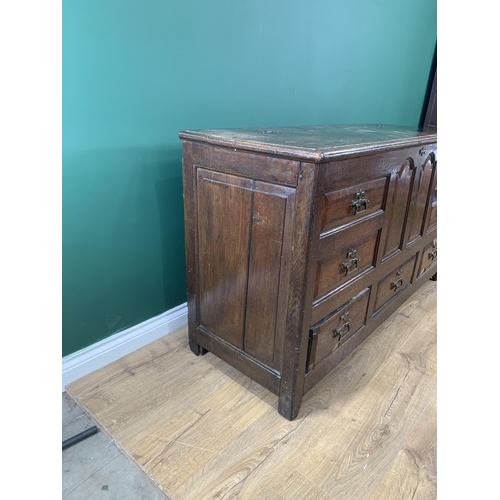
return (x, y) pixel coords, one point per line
(137, 72)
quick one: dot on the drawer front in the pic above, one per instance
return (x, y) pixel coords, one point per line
(331, 332)
(353, 203)
(346, 254)
(429, 258)
(394, 283)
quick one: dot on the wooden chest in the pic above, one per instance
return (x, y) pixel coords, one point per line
(301, 241)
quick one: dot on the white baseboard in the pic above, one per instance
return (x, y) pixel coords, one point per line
(112, 348)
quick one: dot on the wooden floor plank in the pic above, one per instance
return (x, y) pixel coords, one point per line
(231, 468)
(240, 400)
(366, 433)
(341, 386)
(291, 485)
(371, 432)
(413, 473)
(202, 430)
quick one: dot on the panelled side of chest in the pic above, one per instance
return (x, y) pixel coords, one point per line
(246, 258)
(376, 218)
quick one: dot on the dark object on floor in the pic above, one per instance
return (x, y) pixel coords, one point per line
(79, 437)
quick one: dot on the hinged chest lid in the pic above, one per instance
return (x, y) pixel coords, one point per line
(314, 143)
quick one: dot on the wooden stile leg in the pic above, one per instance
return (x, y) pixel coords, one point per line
(196, 348)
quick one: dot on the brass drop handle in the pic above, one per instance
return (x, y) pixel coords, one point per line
(399, 282)
(433, 254)
(360, 202)
(346, 325)
(352, 260)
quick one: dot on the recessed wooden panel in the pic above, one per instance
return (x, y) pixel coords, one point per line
(353, 203)
(241, 227)
(265, 264)
(433, 219)
(224, 214)
(421, 197)
(433, 207)
(397, 207)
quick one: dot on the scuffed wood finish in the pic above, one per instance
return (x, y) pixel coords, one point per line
(201, 430)
(285, 226)
(312, 143)
(296, 339)
(191, 242)
(245, 164)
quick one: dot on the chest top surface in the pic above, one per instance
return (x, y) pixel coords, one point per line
(314, 142)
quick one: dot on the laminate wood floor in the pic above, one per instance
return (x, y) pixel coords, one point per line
(95, 468)
(202, 430)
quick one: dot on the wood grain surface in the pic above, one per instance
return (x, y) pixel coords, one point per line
(202, 430)
(316, 142)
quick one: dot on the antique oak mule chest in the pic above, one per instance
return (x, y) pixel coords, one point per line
(300, 241)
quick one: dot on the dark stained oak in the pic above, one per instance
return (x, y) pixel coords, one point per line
(417, 210)
(399, 193)
(311, 143)
(429, 257)
(346, 254)
(390, 286)
(300, 241)
(246, 164)
(336, 329)
(264, 269)
(296, 338)
(348, 204)
(223, 251)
